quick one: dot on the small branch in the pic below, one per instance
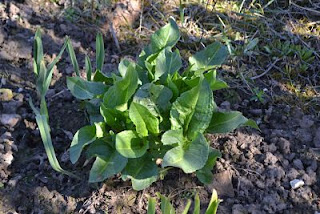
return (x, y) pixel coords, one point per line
(266, 71)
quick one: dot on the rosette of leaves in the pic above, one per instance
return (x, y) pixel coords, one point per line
(152, 110)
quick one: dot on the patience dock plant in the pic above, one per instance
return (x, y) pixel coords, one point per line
(151, 115)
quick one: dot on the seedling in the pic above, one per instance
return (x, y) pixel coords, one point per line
(166, 206)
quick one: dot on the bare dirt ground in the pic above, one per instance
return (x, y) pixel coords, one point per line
(277, 88)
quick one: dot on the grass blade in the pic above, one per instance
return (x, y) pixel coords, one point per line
(47, 142)
(196, 209)
(73, 57)
(37, 51)
(88, 68)
(151, 205)
(186, 209)
(99, 51)
(214, 202)
(54, 62)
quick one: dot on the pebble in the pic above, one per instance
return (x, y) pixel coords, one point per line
(298, 164)
(10, 120)
(296, 183)
(284, 145)
(11, 107)
(5, 94)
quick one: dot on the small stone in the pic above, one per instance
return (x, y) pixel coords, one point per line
(284, 145)
(10, 120)
(225, 105)
(13, 9)
(256, 112)
(298, 164)
(5, 94)
(7, 158)
(293, 173)
(11, 107)
(296, 183)
(270, 159)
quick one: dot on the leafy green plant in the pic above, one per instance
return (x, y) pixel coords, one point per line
(43, 80)
(151, 114)
(167, 208)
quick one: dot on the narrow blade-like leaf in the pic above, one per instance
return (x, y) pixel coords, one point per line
(88, 68)
(99, 51)
(151, 205)
(213, 204)
(73, 57)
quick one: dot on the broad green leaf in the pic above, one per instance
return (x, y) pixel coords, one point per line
(154, 97)
(99, 52)
(213, 204)
(215, 84)
(183, 109)
(113, 117)
(83, 137)
(202, 114)
(189, 157)
(102, 77)
(88, 68)
(212, 56)
(108, 162)
(73, 58)
(151, 205)
(173, 137)
(223, 122)
(251, 123)
(83, 89)
(192, 111)
(166, 36)
(100, 129)
(143, 119)
(205, 174)
(167, 62)
(93, 109)
(196, 209)
(119, 94)
(129, 145)
(98, 147)
(173, 87)
(166, 206)
(123, 66)
(142, 172)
